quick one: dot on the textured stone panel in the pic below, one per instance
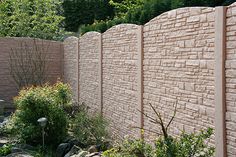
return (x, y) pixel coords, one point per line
(89, 70)
(179, 69)
(230, 72)
(71, 73)
(120, 79)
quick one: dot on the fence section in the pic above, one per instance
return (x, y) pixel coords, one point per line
(54, 57)
(119, 64)
(179, 58)
(179, 68)
(89, 70)
(230, 74)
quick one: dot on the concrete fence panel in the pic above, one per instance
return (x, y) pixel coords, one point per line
(54, 57)
(230, 74)
(179, 69)
(89, 70)
(120, 65)
(71, 59)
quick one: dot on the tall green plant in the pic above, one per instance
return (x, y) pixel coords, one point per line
(31, 18)
(89, 129)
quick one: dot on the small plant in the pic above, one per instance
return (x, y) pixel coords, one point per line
(5, 149)
(187, 145)
(36, 102)
(7, 130)
(89, 130)
(130, 148)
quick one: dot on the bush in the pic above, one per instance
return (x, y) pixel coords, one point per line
(5, 149)
(130, 148)
(185, 146)
(194, 144)
(36, 102)
(89, 130)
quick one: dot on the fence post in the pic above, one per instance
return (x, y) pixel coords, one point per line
(220, 102)
(100, 74)
(62, 61)
(140, 77)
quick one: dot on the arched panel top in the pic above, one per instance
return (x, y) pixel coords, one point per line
(232, 5)
(71, 38)
(180, 13)
(90, 34)
(122, 27)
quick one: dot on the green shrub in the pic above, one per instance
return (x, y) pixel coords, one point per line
(89, 130)
(130, 148)
(187, 145)
(194, 144)
(36, 102)
(5, 149)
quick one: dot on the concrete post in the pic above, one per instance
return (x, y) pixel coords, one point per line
(220, 104)
(100, 74)
(140, 77)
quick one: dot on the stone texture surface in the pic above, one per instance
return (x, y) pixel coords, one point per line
(120, 79)
(71, 73)
(179, 69)
(8, 88)
(230, 74)
(89, 70)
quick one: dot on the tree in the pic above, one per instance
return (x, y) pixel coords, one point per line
(121, 8)
(79, 12)
(31, 18)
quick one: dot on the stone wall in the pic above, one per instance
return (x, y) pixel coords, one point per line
(8, 88)
(173, 60)
(230, 72)
(179, 69)
(120, 106)
(71, 73)
(89, 70)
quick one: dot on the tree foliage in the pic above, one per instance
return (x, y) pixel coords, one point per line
(78, 12)
(141, 11)
(121, 8)
(31, 18)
